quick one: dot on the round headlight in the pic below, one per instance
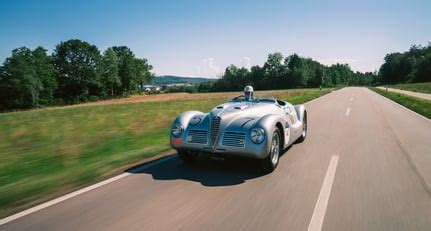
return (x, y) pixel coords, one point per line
(176, 130)
(257, 135)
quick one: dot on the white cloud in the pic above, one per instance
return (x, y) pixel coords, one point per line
(246, 62)
(208, 68)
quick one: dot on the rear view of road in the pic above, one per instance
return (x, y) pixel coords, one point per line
(365, 165)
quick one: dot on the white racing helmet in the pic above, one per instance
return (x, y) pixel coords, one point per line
(248, 92)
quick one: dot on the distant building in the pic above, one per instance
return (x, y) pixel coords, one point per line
(151, 88)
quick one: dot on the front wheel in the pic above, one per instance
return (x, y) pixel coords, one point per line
(187, 156)
(271, 161)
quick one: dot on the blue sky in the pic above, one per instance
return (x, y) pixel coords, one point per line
(201, 38)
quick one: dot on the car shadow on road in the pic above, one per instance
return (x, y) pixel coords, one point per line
(208, 172)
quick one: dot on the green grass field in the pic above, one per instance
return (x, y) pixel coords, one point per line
(48, 152)
(420, 106)
(417, 87)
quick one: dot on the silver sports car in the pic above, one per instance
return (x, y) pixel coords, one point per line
(245, 126)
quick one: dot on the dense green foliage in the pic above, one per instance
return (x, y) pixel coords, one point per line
(133, 72)
(294, 71)
(76, 72)
(421, 106)
(26, 80)
(110, 72)
(77, 64)
(411, 66)
(290, 72)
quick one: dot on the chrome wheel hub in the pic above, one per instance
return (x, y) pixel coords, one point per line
(275, 148)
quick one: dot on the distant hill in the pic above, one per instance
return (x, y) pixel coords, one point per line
(171, 79)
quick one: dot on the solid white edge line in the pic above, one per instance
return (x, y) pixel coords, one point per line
(323, 199)
(401, 106)
(78, 192)
(348, 111)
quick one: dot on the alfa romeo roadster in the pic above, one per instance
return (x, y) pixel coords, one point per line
(247, 126)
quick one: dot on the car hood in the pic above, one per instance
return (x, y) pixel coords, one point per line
(241, 114)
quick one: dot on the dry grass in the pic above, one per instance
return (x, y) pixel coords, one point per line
(195, 96)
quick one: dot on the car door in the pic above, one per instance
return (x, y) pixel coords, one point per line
(289, 111)
(288, 121)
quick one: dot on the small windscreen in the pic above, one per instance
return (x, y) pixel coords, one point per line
(242, 98)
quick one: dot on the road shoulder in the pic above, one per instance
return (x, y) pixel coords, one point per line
(409, 93)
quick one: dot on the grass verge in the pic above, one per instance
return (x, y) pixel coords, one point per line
(416, 87)
(48, 152)
(420, 106)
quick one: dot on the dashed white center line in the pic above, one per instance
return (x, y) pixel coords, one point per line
(322, 202)
(348, 111)
(351, 98)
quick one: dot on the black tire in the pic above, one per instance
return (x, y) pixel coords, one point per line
(188, 157)
(270, 163)
(304, 129)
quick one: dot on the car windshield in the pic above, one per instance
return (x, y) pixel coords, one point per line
(242, 98)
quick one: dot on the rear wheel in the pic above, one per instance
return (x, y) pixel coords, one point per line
(304, 128)
(271, 161)
(188, 156)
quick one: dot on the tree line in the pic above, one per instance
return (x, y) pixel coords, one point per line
(411, 66)
(293, 71)
(76, 72)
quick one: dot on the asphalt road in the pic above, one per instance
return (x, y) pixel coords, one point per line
(365, 165)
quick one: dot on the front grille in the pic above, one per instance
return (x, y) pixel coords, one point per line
(197, 136)
(215, 126)
(234, 139)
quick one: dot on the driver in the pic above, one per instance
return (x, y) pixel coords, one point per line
(248, 93)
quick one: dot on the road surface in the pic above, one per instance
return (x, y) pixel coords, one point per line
(365, 165)
(410, 93)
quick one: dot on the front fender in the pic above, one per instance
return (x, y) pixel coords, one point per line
(300, 111)
(185, 117)
(269, 123)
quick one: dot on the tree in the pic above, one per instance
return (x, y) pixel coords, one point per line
(294, 71)
(423, 71)
(143, 74)
(275, 70)
(133, 72)
(394, 69)
(257, 77)
(75, 72)
(19, 85)
(318, 76)
(235, 78)
(110, 78)
(77, 64)
(410, 66)
(45, 73)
